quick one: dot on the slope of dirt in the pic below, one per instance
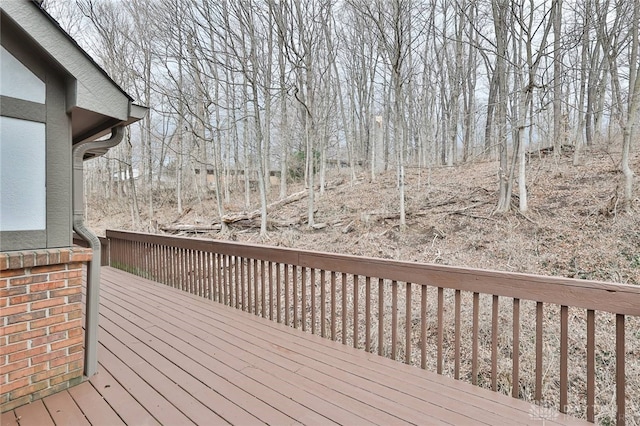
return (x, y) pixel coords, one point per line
(576, 225)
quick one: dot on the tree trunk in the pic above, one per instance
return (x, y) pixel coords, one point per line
(491, 106)
(557, 77)
(632, 116)
(500, 9)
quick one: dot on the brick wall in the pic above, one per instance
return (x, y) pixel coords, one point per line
(41, 334)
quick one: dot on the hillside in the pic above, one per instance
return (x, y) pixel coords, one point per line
(575, 226)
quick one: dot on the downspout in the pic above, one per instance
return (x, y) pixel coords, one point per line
(93, 267)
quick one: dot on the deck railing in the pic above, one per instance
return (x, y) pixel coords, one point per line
(553, 341)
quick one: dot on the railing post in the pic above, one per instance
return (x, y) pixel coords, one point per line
(105, 254)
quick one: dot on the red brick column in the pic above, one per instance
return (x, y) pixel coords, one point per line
(41, 334)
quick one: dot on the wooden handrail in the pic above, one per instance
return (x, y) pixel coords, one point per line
(336, 296)
(605, 297)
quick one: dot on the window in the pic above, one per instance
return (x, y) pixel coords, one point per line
(22, 175)
(17, 81)
(24, 149)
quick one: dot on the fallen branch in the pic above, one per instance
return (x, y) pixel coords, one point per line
(232, 218)
(183, 214)
(191, 228)
(271, 223)
(526, 217)
(382, 216)
(461, 213)
(477, 204)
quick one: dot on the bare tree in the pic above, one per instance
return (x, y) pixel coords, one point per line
(500, 9)
(631, 124)
(557, 76)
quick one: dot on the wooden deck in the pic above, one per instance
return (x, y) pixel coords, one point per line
(167, 357)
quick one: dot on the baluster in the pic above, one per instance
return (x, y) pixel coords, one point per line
(494, 344)
(182, 277)
(344, 308)
(367, 313)
(270, 265)
(564, 338)
(221, 279)
(286, 295)
(380, 316)
(440, 328)
(250, 279)
(227, 280)
(407, 324)
(591, 367)
(209, 281)
(303, 299)
(237, 279)
(539, 323)
(156, 263)
(355, 311)
(189, 271)
(193, 272)
(333, 306)
(230, 283)
(256, 288)
(515, 391)
(620, 367)
(474, 337)
(164, 264)
(456, 331)
(312, 283)
(394, 318)
(423, 327)
(295, 296)
(323, 304)
(199, 272)
(243, 288)
(279, 294)
(263, 288)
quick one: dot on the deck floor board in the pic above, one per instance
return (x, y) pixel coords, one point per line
(123, 403)
(167, 357)
(94, 406)
(34, 414)
(64, 411)
(8, 419)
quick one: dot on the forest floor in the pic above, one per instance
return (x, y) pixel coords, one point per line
(576, 225)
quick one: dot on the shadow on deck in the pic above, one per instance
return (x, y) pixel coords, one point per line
(168, 357)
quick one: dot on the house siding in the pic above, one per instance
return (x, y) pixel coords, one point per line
(41, 333)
